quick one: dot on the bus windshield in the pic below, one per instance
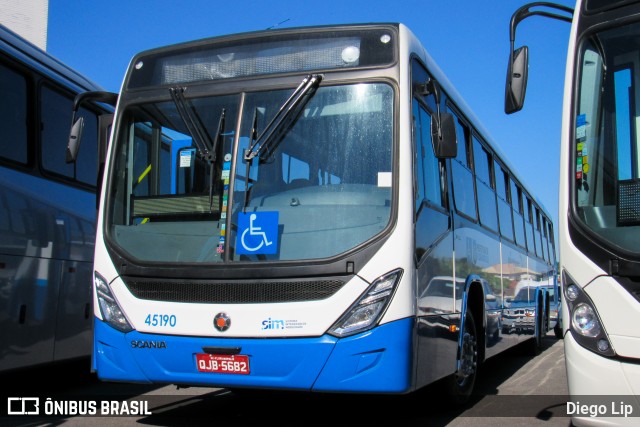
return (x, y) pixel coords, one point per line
(607, 138)
(183, 189)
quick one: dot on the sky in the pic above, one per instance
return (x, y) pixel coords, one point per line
(468, 39)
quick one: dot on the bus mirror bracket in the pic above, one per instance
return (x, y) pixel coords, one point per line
(443, 128)
(77, 123)
(516, 85)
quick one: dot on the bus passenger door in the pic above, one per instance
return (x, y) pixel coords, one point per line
(433, 251)
(431, 218)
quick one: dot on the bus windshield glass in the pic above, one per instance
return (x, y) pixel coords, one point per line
(183, 190)
(607, 138)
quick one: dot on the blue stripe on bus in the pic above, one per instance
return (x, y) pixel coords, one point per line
(375, 361)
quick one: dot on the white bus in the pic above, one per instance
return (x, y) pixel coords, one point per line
(599, 206)
(47, 209)
(308, 209)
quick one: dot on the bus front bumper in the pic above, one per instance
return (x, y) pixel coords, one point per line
(601, 380)
(378, 360)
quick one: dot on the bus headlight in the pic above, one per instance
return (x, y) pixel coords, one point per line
(109, 308)
(585, 325)
(585, 321)
(366, 312)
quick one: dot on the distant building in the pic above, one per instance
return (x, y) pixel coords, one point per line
(28, 18)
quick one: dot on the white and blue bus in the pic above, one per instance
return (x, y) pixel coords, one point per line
(599, 205)
(309, 209)
(47, 209)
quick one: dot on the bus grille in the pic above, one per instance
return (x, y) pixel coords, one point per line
(232, 292)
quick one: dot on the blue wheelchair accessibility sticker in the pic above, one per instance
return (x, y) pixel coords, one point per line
(257, 233)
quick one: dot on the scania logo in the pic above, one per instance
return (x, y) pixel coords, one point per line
(221, 322)
(148, 344)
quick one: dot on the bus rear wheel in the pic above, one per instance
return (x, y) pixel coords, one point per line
(557, 330)
(533, 347)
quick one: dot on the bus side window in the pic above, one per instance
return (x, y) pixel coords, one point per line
(418, 152)
(518, 217)
(552, 245)
(486, 194)
(431, 206)
(428, 169)
(536, 230)
(55, 113)
(463, 182)
(528, 226)
(13, 116)
(504, 207)
(545, 239)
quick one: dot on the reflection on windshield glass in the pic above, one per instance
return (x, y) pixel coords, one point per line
(607, 140)
(322, 187)
(329, 181)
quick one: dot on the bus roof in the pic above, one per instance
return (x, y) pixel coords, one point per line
(464, 108)
(30, 54)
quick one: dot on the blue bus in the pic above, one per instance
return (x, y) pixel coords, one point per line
(47, 209)
(308, 209)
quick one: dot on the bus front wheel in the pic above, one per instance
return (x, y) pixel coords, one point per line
(460, 384)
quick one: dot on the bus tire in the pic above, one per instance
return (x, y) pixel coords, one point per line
(459, 385)
(557, 330)
(534, 345)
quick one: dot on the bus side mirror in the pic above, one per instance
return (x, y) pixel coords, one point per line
(75, 137)
(73, 145)
(443, 135)
(516, 86)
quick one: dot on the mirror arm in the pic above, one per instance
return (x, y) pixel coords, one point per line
(77, 124)
(430, 87)
(524, 12)
(442, 128)
(516, 100)
(104, 97)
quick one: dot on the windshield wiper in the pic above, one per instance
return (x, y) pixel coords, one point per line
(279, 125)
(194, 125)
(252, 138)
(284, 118)
(207, 148)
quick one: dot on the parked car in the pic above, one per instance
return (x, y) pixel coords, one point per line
(520, 312)
(441, 298)
(519, 316)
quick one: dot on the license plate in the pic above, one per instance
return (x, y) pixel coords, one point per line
(223, 363)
